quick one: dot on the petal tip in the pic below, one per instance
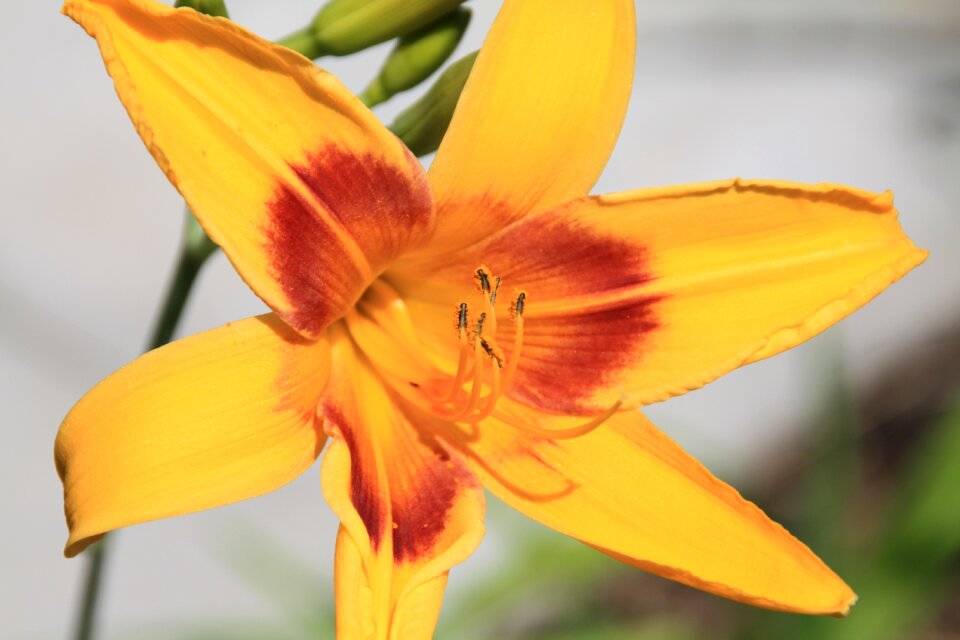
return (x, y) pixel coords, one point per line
(78, 544)
(843, 607)
(884, 199)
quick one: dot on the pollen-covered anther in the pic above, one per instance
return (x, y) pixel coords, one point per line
(482, 276)
(493, 353)
(463, 361)
(483, 362)
(480, 358)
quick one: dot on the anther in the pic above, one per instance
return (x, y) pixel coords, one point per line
(476, 347)
(493, 294)
(464, 358)
(520, 302)
(480, 321)
(514, 363)
(489, 297)
(475, 389)
(490, 351)
(484, 280)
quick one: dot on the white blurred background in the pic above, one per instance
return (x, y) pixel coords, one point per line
(860, 92)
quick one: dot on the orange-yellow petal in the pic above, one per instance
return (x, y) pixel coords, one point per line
(630, 491)
(409, 506)
(205, 421)
(307, 193)
(414, 618)
(639, 296)
(539, 116)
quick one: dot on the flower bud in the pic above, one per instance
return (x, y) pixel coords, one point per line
(347, 26)
(423, 124)
(417, 56)
(209, 7)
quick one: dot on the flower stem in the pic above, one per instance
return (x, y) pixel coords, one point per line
(194, 252)
(91, 590)
(195, 248)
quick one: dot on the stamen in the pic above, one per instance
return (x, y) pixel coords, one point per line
(491, 399)
(489, 297)
(480, 321)
(477, 384)
(464, 358)
(462, 319)
(498, 383)
(496, 288)
(520, 303)
(492, 351)
(484, 280)
(514, 363)
(381, 324)
(478, 346)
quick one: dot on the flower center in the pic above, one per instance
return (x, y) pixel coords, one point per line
(382, 328)
(481, 362)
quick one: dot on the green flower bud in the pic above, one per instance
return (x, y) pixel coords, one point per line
(423, 124)
(209, 7)
(416, 56)
(347, 26)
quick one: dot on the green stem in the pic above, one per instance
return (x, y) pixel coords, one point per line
(91, 590)
(194, 250)
(185, 274)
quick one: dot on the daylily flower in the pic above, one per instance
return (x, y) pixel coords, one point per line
(486, 324)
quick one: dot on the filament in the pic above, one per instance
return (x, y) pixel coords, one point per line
(484, 373)
(498, 374)
(565, 433)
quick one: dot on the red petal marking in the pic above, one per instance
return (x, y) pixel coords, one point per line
(420, 512)
(569, 355)
(364, 492)
(381, 207)
(377, 203)
(423, 481)
(568, 258)
(567, 358)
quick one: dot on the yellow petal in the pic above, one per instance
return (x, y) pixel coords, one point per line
(639, 296)
(630, 491)
(413, 619)
(205, 421)
(539, 116)
(410, 507)
(307, 193)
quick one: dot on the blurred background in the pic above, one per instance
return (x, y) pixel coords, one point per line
(852, 440)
